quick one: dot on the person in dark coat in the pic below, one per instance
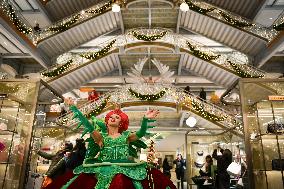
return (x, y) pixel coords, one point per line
(223, 162)
(202, 94)
(57, 166)
(167, 168)
(77, 156)
(187, 89)
(180, 168)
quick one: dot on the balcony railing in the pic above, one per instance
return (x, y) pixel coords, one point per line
(235, 20)
(172, 94)
(225, 60)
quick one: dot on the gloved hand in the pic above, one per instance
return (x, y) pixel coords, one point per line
(88, 127)
(148, 118)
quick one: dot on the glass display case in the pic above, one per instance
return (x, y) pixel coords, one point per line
(19, 101)
(263, 110)
(17, 108)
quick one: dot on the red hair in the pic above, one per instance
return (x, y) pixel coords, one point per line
(123, 126)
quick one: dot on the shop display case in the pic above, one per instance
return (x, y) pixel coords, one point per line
(19, 100)
(263, 110)
(17, 107)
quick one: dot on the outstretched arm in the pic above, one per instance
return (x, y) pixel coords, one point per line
(88, 127)
(148, 118)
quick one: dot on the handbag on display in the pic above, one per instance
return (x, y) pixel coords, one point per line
(234, 169)
(277, 164)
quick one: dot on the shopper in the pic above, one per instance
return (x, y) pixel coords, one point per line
(223, 161)
(57, 166)
(167, 168)
(77, 156)
(208, 164)
(180, 168)
(202, 94)
(93, 96)
(37, 29)
(187, 89)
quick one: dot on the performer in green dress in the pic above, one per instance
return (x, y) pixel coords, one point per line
(107, 163)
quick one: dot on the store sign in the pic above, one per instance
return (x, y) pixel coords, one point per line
(274, 97)
(275, 128)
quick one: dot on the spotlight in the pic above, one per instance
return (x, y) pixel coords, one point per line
(184, 7)
(191, 121)
(115, 8)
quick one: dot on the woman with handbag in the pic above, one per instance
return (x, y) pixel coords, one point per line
(223, 161)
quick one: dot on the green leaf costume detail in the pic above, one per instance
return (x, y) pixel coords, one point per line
(88, 127)
(144, 126)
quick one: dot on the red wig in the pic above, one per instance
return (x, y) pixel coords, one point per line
(123, 126)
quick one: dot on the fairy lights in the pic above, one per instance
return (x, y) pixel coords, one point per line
(100, 53)
(242, 73)
(23, 28)
(148, 97)
(59, 70)
(146, 37)
(200, 54)
(197, 8)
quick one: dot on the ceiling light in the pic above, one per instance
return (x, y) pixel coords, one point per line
(270, 18)
(191, 121)
(184, 7)
(115, 8)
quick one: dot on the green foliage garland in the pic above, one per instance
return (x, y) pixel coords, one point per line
(242, 73)
(64, 26)
(233, 21)
(102, 52)
(200, 54)
(148, 37)
(99, 109)
(17, 22)
(58, 70)
(279, 27)
(101, 9)
(200, 110)
(197, 8)
(149, 97)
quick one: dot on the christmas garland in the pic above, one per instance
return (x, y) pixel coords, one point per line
(102, 52)
(201, 54)
(101, 9)
(99, 109)
(242, 73)
(4, 88)
(58, 70)
(64, 26)
(197, 8)
(148, 37)
(200, 110)
(17, 22)
(279, 27)
(233, 21)
(148, 97)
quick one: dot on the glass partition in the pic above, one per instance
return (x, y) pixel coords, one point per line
(17, 107)
(263, 107)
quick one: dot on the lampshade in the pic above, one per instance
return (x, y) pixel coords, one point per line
(184, 7)
(191, 121)
(115, 8)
